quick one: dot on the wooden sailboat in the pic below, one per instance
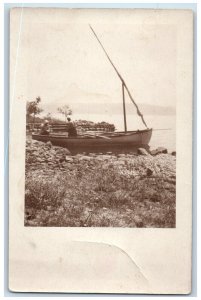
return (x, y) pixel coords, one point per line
(105, 141)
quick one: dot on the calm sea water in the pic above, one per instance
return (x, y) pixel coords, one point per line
(160, 138)
(163, 138)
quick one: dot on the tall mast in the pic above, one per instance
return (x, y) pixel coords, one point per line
(124, 109)
(123, 82)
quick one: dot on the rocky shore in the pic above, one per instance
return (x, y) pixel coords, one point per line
(122, 190)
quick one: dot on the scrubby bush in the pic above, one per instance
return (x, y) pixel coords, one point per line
(41, 193)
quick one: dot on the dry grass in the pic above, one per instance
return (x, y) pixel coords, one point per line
(98, 197)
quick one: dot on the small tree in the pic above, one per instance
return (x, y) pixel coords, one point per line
(65, 110)
(33, 109)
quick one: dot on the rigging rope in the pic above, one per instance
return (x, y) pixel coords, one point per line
(121, 78)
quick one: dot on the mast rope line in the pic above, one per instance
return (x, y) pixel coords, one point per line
(120, 77)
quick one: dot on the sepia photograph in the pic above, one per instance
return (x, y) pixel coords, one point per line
(100, 124)
(100, 150)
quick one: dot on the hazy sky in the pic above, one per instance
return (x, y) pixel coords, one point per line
(62, 62)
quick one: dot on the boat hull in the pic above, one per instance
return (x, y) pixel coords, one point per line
(119, 141)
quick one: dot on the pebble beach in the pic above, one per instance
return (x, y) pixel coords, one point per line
(99, 190)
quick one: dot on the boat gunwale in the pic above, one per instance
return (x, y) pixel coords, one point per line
(95, 136)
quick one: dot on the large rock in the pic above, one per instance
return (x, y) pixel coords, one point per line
(162, 150)
(119, 163)
(92, 154)
(99, 158)
(69, 159)
(49, 144)
(142, 151)
(62, 151)
(85, 158)
(159, 150)
(106, 157)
